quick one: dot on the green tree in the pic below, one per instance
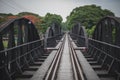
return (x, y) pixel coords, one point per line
(27, 13)
(49, 19)
(35, 18)
(87, 15)
(3, 17)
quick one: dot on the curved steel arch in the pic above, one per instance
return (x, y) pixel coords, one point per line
(17, 32)
(75, 28)
(49, 33)
(105, 44)
(52, 34)
(25, 30)
(80, 35)
(56, 28)
(108, 30)
(83, 37)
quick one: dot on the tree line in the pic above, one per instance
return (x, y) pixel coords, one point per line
(41, 22)
(87, 15)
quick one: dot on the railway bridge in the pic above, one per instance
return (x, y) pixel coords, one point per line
(70, 55)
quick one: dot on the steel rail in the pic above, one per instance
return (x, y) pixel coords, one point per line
(78, 73)
(77, 70)
(51, 74)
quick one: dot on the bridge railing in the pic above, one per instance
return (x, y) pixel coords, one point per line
(80, 41)
(17, 58)
(52, 41)
(107, 55)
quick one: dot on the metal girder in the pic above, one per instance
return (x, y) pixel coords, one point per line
(104, 46)
(80, 35)
(18, 39)
(107, 30)
(52, 34)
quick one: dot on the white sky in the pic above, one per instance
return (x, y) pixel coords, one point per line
(61, 7)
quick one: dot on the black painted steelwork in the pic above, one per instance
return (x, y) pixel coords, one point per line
(106, 58)
(78, 34)
(52, 35)
(108, 30)
(23, 48)
(104, 47)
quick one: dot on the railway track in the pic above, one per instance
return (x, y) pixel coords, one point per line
(51, 74)
(55, 70)
(77, 70)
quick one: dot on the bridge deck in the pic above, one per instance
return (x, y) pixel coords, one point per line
(65, 69)
(23, 54)
(65, 62)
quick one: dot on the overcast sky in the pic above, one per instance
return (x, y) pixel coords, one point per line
(61, 7)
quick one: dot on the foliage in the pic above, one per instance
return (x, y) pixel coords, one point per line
(90, 31)
(87, 15)
(41, 23)
(35, 18)
(49, 19)
(64, 26)
(28, 13)
(12, 17)
(3, 17)
(5, 44)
